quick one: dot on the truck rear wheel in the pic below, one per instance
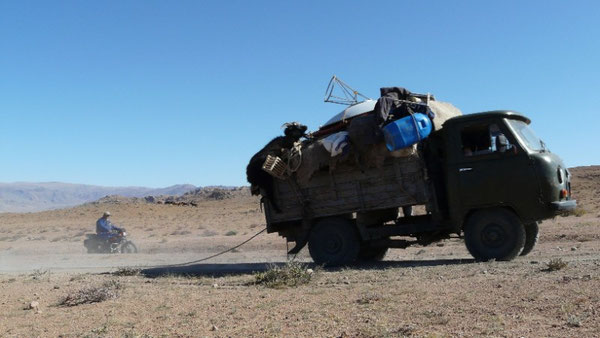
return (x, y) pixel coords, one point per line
(494, 234)
(531, 237)
(333, 242)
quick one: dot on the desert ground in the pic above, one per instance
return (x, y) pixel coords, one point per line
(433, 291)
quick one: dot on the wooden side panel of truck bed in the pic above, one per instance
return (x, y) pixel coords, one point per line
(400, 182)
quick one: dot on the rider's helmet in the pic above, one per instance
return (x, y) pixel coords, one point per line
(106, 214)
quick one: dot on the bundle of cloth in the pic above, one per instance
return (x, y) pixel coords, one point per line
(397, 102)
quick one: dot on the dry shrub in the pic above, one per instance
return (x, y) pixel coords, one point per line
(556, 264)
(39, 274)
(368, 299)
(573, 321)
(125, 271)
(291, 274)
(577, 212)
(89, 295)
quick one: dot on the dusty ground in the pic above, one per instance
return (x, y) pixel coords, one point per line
(421, 291)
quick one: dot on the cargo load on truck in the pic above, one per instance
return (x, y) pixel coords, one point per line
(363, 136)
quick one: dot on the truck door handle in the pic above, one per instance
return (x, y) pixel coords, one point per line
(465, 169)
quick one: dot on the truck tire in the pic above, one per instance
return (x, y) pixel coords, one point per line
(494, 234)
(531, 237)
(372, 254)
(333, 242)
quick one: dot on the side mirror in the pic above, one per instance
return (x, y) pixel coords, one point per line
(502, 143)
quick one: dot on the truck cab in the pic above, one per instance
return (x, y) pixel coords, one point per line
(495, 164)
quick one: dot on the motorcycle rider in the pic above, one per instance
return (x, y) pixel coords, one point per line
(104, 228)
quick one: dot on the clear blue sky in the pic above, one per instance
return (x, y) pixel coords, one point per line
(155, 93)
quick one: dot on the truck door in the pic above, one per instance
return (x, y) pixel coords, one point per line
(491, 169)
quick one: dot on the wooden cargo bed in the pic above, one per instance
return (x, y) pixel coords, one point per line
(400, 182)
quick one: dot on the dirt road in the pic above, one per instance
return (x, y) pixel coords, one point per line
(558, 240)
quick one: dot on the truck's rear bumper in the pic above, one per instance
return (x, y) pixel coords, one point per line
(564, 205)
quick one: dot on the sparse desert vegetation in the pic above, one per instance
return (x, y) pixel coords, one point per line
(556, 264)
(291, 274)
(92, 294)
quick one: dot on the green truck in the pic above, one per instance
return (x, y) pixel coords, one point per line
(484, 177)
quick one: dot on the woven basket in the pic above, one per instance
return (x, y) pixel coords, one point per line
(275, 167)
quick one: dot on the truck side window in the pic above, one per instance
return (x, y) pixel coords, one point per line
(482, 139)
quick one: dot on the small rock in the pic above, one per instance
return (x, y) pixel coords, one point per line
(35, 306)
(573, 249)
(309, 271)
(534, 262)
(214, 328)
(215, 285)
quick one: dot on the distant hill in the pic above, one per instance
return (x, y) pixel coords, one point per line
(31, 197)
(585, 187)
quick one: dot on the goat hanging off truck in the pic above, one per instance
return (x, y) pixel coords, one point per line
(261, 181)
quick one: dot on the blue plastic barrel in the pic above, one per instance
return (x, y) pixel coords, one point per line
(406, 131)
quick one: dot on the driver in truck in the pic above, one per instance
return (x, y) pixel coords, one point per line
(104, 228)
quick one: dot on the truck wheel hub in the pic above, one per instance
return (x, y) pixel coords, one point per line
(493, 235)
(333, 245)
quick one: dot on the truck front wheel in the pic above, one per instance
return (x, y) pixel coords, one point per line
(494, 234)
(333, 242)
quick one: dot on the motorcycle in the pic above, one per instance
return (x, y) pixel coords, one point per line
(117, 242)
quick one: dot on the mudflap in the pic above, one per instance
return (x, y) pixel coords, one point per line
(300, 244)
(302, 237)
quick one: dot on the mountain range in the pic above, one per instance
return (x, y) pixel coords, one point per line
(31, 197)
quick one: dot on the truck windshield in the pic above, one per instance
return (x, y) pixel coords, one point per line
(527, 135)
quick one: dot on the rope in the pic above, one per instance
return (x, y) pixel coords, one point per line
(209, 257)
(294, 154)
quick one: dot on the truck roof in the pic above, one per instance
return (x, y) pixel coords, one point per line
(494, 113)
